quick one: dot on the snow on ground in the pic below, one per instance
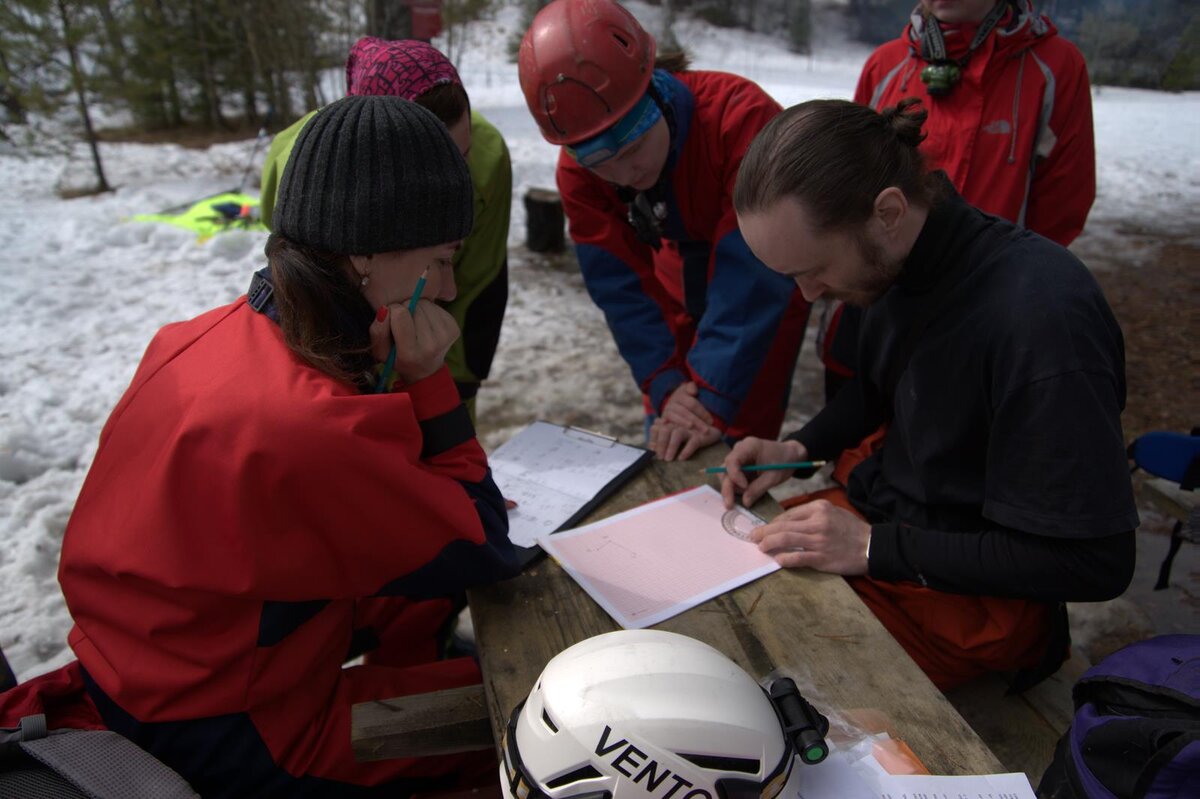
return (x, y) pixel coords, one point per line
(82, 290)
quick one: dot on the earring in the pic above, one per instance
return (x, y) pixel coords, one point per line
(365, 280)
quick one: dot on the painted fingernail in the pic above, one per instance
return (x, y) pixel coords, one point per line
(381, 314)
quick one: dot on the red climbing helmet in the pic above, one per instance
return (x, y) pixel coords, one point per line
(583, 64)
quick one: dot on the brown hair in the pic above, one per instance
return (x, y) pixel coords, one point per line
(835, 156)
(447, 101)
(318, 303)
(673, 61)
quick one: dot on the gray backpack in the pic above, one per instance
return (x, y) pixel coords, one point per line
(93, 764)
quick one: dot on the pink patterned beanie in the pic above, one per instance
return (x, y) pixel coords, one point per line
(407, 68)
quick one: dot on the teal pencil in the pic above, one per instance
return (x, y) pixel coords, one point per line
(416, 297)
(388, 365)
(768, 467)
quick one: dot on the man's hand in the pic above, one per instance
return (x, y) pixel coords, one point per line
(671, 442)
(817, 535)
(683, 409)
(750, 451)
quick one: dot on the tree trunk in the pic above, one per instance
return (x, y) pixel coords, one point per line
(174, 104)
(389, 19)
(8, 97)
(283, 95)
(254, 71)
(116, 45)
(800, 26)
(666, 39)
(81, 96)
(7, 679)
(544, 221)
(212, 99)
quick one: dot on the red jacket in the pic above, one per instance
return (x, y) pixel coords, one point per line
(240, 502)
(1015, 135)
(741, 346)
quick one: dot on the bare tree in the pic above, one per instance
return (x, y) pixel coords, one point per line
(77, 82)
(389, 19)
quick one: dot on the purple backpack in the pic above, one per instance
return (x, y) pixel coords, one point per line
(1136, 731)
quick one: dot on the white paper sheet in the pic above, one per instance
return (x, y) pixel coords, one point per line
(659, 559)
(854, 774)
(982, 786)
(551, 472)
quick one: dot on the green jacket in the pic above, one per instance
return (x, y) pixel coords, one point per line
(480, 265)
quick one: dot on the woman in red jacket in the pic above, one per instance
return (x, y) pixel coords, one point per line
(646, 174)
(265, 502)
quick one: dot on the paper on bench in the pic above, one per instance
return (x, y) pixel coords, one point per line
(983, 786)
(849, 774)
(659, 559)
(556, 474)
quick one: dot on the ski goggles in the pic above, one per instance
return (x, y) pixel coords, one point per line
(598, 149)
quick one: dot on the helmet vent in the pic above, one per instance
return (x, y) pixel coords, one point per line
(621, 40)
(741, 765)
(546, 720)
(578, 775)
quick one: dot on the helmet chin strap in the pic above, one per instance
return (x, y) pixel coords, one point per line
(943, 73)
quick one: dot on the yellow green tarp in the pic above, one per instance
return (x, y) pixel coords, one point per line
(206, 221)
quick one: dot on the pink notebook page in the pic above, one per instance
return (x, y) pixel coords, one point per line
(657, 560)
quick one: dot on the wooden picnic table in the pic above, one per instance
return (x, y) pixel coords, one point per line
(801, 624)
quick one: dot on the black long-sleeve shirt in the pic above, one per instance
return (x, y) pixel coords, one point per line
(1003, 472)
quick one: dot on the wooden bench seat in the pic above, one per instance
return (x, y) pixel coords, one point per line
(1021, 730)
(434, 723)
(1168, 498)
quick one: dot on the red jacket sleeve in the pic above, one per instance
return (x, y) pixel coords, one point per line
(1064, 174)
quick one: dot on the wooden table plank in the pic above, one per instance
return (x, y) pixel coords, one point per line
(802, 624)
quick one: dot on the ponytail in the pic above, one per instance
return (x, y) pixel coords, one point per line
(673, 61)
(906, 125)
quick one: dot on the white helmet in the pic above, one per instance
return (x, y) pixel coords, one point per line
(647, 714)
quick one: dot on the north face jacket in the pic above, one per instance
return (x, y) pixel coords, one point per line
(1015, 135)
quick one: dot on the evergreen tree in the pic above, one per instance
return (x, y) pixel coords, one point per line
(800, 26)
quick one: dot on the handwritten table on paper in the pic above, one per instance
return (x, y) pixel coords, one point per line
(807, 625)
(656, 560)
(553, 472)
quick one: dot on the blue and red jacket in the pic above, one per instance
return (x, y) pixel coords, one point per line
(241, 507)
(702, 308)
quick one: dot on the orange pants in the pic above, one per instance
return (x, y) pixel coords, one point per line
(952, 637)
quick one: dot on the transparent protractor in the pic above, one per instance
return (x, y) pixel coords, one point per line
(740, 522)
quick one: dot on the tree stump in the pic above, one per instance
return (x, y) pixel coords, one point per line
(544, 221)
(7, 679)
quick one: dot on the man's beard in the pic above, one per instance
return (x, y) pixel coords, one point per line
(878, 275)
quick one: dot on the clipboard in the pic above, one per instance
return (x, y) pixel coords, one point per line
(557, 475)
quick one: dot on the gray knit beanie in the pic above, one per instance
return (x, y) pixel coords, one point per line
(374, 174)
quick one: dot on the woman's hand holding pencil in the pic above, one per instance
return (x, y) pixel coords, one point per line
(770, 462)
(412, 338)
